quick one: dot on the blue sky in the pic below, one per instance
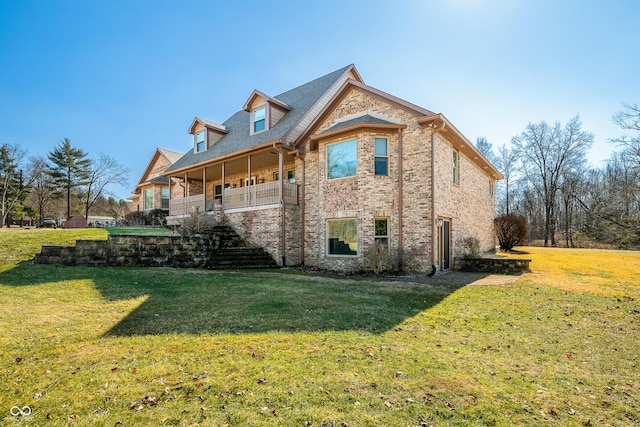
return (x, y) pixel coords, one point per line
(124, 77)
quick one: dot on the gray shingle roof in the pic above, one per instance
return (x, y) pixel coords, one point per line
(238, 138)
(159, 180)
(362, 119)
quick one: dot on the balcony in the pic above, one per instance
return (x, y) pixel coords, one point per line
(253, 196)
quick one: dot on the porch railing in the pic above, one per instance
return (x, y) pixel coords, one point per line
(186, 205)
(238, 198)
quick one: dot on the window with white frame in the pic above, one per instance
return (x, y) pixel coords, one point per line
(259, 119)
(342, 159)
(382, 231)
(381, 156)
(342, 236)
(200, 142)
(492, 187)
(456, 167)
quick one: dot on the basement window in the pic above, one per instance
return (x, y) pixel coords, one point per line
(342, 236)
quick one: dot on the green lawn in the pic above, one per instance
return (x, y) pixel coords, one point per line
(103, 346)
(140, 231)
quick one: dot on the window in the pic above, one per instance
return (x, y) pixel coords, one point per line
(291, 176)
(165, 198)
(492, 187)
(381, 163)
(342, 236)
(259, 119)
(382, 232)
(148, 199)
(456, 167)
(341, 159)
(199, 141)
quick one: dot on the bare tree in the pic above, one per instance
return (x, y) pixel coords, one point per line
(629, 120)
(507, 164)
(16, 178)
(486, 149)
(547, 154)
(43, 190)
(103, 172)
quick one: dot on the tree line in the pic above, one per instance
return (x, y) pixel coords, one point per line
(547, 180)
(65, 182)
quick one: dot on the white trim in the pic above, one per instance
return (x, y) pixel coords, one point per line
(252, 122)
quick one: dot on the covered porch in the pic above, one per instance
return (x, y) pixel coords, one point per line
(252, 181)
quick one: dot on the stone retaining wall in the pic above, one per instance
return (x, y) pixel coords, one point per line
(491, 265)
(129, 251)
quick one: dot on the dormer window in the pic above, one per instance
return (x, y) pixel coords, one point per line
(259, 119)
(200, 143)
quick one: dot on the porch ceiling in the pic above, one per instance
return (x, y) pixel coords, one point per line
(262, 160)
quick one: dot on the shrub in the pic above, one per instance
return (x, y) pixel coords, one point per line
(195, 223)
(469, 246)
(379, 259)
(136, 218)
(511, 230)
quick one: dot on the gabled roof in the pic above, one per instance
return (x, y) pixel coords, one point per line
(343, 91)
(304, 102)
(206, 123)
(364, 121)
(170, 156)
(256, 93)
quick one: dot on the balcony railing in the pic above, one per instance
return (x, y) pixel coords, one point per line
(238, 198)
(186, 205)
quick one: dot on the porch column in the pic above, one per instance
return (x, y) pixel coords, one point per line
(283, 236)
(204, 187)
(186, 185)
(249, 168)
(223, 187)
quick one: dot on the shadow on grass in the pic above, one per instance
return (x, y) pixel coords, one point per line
(188, 301)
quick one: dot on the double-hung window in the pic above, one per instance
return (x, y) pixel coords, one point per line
(148, 199)
(259, 119)
(165, 198)
(200, 141)
(381, 155)
(342, 159)
(382, 232)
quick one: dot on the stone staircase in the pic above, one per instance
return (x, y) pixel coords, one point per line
(233, 253)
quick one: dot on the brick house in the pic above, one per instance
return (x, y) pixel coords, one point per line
(152, 190)
(319, 174)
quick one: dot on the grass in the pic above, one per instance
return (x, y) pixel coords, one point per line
(140, 231)
(101, 346)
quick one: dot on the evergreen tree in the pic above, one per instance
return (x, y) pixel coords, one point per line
(70, 168)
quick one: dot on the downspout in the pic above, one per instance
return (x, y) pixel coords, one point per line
(301, 198)
(433, 201)
(434, 230)
(400, 201)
